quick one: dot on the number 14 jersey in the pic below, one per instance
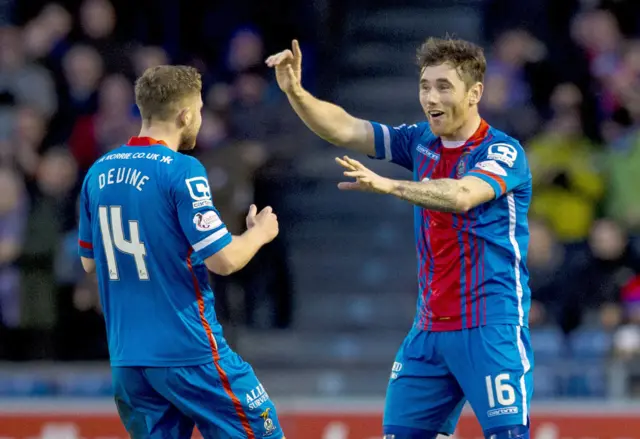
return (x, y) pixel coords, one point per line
(148, 221)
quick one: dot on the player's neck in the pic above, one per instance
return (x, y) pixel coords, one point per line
(161, 132)
(467, 130)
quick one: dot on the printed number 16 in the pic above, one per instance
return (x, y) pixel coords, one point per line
(505, 393)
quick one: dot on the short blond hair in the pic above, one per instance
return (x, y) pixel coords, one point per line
(161, 90)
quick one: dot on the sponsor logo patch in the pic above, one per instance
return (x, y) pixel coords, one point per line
(426, 151)
(503, 152)
(502, 411)
(199, 191)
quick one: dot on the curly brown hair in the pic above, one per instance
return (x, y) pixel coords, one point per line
(466, 57)
(161, 90)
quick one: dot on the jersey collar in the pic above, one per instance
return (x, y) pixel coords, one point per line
(473, 141)
(479, 135)
(145, 141)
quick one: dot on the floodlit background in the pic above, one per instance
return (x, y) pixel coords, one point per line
(322, 310)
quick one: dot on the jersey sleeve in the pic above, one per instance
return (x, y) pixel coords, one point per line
(394, 144)
(199, 219)
(85, 238)
(504, 166)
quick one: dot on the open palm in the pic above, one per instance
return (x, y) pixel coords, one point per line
(366, 179)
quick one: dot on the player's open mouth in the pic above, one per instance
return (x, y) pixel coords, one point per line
(435, 114)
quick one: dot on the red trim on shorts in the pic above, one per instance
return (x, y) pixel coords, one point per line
(216, 357)
(85, 244)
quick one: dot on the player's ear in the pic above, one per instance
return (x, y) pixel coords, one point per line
(475, 93)
(184, 118)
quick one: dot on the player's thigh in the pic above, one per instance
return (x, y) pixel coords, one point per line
(224, 398)
(494, 366)
(144, 412)
(422, 394)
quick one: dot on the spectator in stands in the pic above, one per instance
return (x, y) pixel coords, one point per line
(624, 153)
(98, 23)
(218, 98)
(546, 262)
(521, 61)
(21, 82)
(567, 182)
(113, 124)
(597, 33)
(245, 52)
(13, 213)
(251, 115)
(82, 69)
(520, 119)
(145, 57)
(46, 37)
(27, 141)
(52, 212)
(84, 311)
(593, 290)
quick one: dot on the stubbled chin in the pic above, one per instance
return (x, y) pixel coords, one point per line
(437, 127)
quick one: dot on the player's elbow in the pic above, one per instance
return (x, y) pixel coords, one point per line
(467, 198)
(89, 265)
(463, 205)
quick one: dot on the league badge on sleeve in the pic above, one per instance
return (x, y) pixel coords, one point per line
(207, 221)
(493, 167)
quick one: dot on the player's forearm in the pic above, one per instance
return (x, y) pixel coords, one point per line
(443, 195)
(332, 123)
(243, 248)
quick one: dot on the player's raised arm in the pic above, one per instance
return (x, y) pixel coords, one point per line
(327, 120)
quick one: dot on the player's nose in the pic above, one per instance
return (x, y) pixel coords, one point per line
(429, 99)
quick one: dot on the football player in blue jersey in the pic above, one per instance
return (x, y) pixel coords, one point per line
(471, 189)
(150, 230)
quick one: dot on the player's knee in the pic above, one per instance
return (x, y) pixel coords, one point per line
(510, 432)
(396, 432)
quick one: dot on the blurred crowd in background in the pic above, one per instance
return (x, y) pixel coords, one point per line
(570, 92)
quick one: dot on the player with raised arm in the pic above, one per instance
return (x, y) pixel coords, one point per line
(149, 228)
(472, 191)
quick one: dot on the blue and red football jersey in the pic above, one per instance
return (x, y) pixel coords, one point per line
(471, 267)
(147, 218)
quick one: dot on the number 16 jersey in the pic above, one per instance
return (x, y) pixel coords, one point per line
(148, 221)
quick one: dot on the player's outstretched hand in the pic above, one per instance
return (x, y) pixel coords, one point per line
(366, 179)
(288, 65)
(265, 220)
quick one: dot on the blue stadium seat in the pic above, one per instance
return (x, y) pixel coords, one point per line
(25, 385)
(547, 342)
(85, 385)
(590, 343)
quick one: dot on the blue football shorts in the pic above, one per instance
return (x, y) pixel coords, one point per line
(435, 373)
(224, 399)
